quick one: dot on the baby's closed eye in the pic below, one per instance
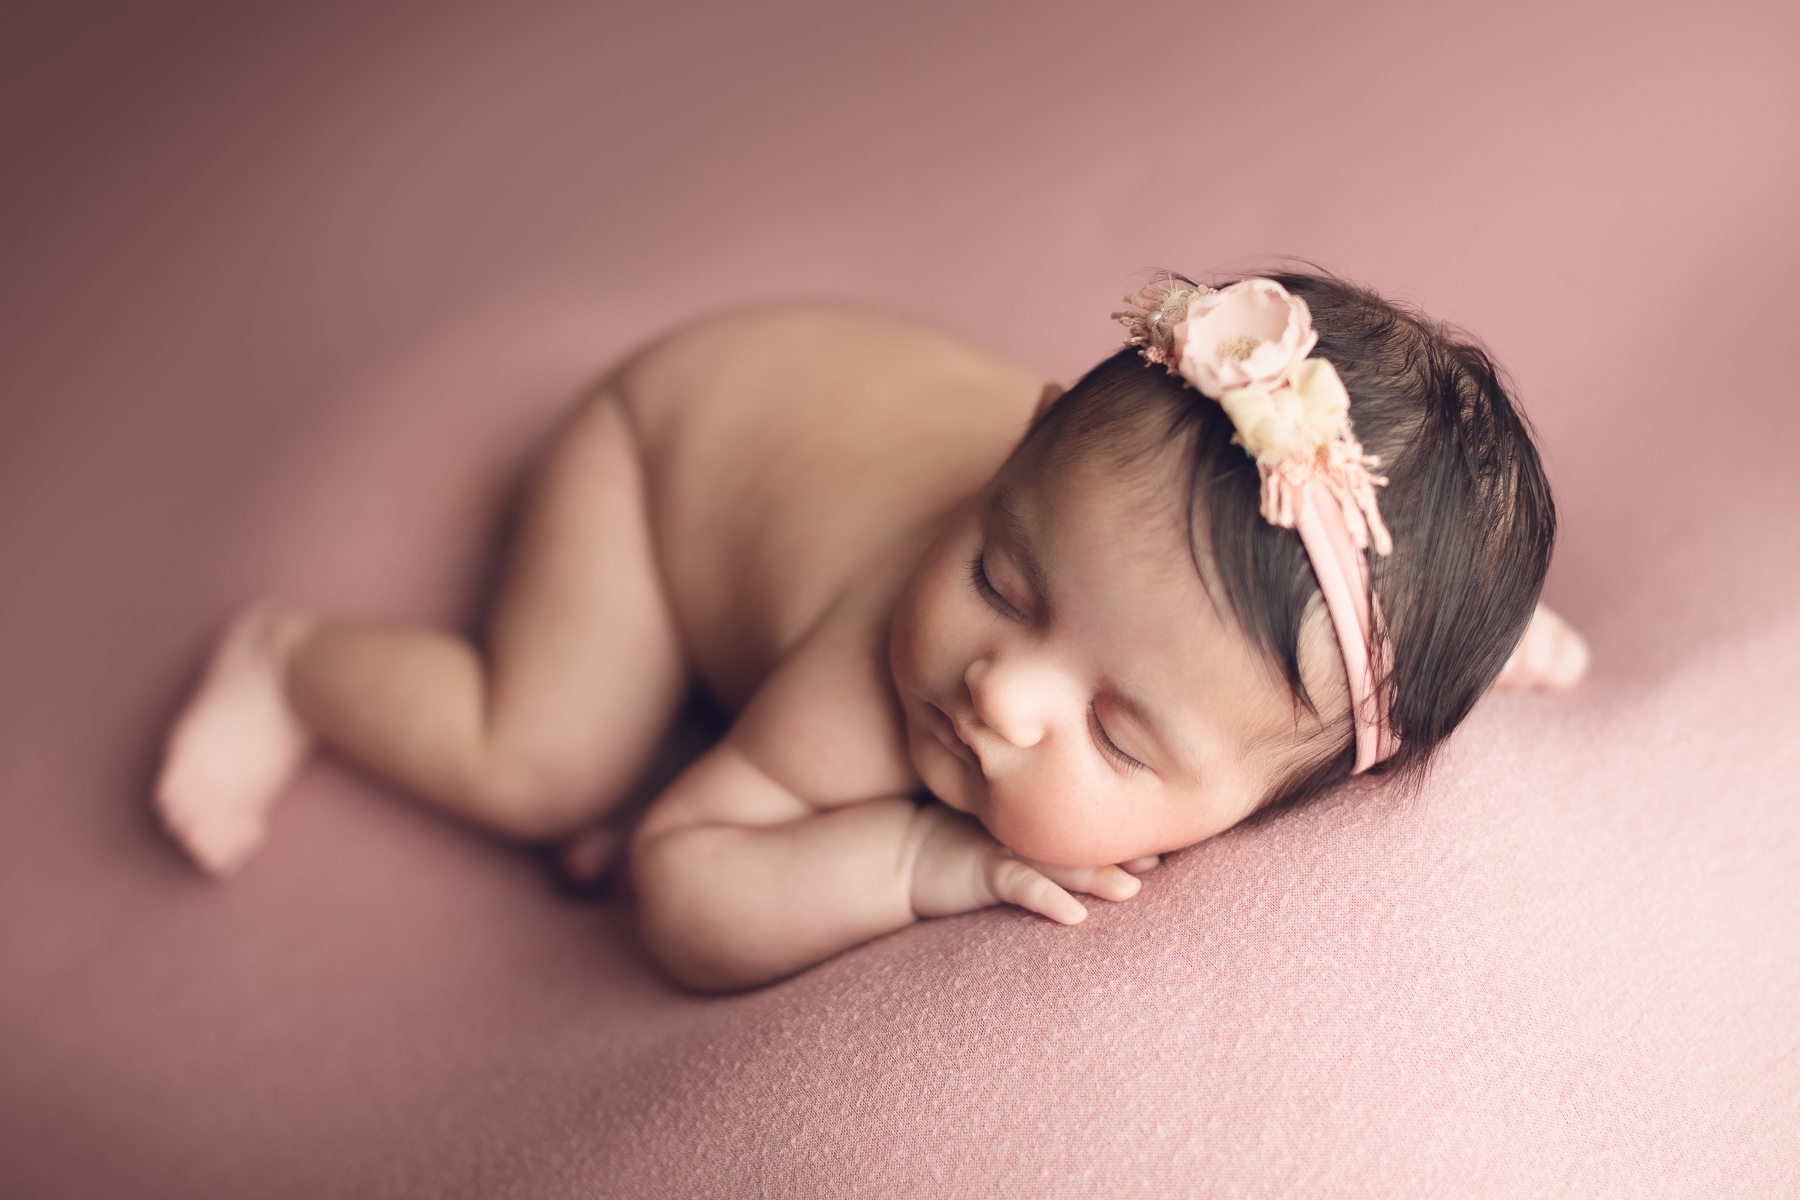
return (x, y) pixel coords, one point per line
(1014, 607)
(1110, 748)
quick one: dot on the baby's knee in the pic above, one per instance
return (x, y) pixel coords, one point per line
(532, 798)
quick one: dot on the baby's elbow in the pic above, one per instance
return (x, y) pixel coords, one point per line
(681, 920)
(701, 973)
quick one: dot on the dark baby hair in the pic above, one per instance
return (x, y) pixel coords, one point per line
(1467, 503)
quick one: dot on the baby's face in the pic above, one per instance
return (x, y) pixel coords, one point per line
(1066, 678)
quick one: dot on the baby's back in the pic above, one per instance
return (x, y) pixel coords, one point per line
(791, 450)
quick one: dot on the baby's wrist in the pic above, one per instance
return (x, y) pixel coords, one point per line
(946, 861)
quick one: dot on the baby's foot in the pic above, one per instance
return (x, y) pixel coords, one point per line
(1550, 657)
(236, 744)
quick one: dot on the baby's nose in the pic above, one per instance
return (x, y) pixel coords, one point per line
(1012, 699)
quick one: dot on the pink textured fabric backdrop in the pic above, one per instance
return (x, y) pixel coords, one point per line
(290, 289)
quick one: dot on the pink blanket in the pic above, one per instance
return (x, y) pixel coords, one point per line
(291, 289)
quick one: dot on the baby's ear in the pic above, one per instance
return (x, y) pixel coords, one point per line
(1046, 398)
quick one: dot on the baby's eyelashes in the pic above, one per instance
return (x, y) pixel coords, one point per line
(997, 599)
(1110, 748)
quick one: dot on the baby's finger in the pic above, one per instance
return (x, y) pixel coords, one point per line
(1013, 882)
(1140, 866)
(1108, 882)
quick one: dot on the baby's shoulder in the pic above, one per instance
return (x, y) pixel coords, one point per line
(786, 444)
(827, 365)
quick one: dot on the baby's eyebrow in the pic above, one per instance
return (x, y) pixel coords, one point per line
(1005, 507)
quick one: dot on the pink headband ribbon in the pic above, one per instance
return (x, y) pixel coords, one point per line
(1246, 346)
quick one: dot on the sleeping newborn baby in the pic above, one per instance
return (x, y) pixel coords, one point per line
(984, 641)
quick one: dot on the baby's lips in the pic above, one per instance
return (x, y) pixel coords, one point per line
(950, 734)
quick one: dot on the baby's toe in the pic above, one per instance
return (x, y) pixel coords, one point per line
(1569, 662)
(1551, 656)
(219, 837)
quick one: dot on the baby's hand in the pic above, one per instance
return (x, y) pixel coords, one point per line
(959, 867)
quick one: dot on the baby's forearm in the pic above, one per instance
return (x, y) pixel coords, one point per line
(729, 906)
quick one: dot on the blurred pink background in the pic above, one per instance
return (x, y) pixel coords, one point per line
(287, 290)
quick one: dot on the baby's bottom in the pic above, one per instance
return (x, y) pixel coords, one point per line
(535, 737)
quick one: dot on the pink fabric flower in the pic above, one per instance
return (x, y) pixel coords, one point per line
(1243, 336)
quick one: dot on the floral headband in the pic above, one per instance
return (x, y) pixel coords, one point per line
(1246, 346)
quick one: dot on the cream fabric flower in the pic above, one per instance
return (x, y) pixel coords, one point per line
(1309, 411)
(1243, 336)
(1299, 434)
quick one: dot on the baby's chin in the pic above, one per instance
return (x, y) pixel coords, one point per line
(944, 778)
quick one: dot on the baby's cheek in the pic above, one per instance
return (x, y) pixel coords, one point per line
(1058, 823)
(917, 640)
(907, 646)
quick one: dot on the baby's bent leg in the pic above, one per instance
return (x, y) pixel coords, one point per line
(583, 672)
(584, 666)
